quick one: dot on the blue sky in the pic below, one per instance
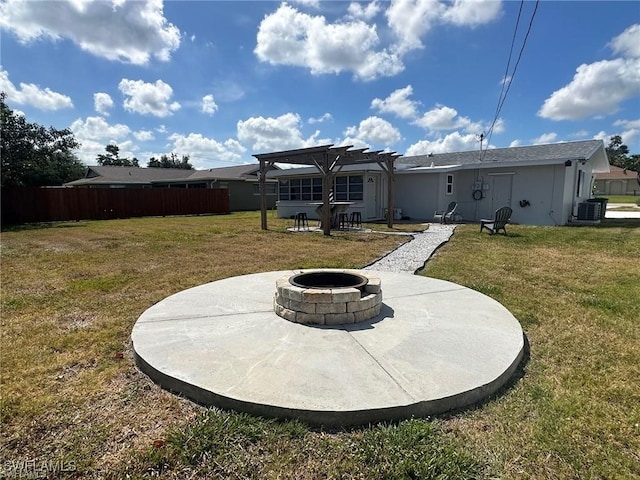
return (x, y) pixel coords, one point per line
(220, 81)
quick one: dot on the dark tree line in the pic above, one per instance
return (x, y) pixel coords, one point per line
(170, 161)
(112, 157)
(33, 155)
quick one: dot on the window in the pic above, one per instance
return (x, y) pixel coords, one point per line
(349, 188)
(283, 190)
(309, 189)
(449, 190)
(580, 187)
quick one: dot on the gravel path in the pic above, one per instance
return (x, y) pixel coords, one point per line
(412, 256)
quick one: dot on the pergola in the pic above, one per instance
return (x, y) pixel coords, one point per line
(329, 160)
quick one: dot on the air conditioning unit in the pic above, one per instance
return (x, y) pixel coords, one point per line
(589, 211)
(397, 213)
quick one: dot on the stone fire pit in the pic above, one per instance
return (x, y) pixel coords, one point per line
(328, 297)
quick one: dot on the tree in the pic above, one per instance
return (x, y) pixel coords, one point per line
(170, 162)
(112, 157)
(634, 164)
(617, 152)
(32, 155)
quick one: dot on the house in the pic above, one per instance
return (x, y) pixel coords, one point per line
(544, 184)
(617, 181)
(241, 181)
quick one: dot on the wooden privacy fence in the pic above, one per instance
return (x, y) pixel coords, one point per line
(30, 205)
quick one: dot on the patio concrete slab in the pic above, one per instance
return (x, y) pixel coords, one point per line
(435, 346)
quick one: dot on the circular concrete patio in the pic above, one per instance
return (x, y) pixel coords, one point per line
(436, 346)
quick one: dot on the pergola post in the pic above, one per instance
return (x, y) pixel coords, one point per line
(262, 182)
(388, 166)
(326, 206)
(390, 190)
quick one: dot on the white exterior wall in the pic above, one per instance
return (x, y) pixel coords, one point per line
(417, 194)
(540, 189)
(571, 197)
(550, 191)
(421, 194)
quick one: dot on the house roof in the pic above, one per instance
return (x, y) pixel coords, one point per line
(515, 156)
(550, 154)
(617, 173)
(114, 175)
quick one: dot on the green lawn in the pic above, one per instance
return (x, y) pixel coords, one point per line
(71, 393)
(622, 198)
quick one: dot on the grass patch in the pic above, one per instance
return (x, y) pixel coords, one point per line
(70, 391)
(230, 445)
(576, 412)
(623, 199)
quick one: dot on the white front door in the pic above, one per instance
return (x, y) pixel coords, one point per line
(501, 191)
(371, 198)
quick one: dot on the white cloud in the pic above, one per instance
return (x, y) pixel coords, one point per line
(372, 131)
(325, 117)
(631, 132)
(629, 136)
(544, 138)
(627, 44)
(602, 135)
(148, 98)
(580, 134)
(130, 32)
(398, 103)
(498, 127)
(95, 133)
(596, 89)
(472, 13)
(97, 128)
(364, 11)
(144, 135)
(410, 20)
(272, 134)
(627, 123)
(290, 37)
(443, 118)
(102, 103)
(204, 151)
(515, 143)
(454, 142)
(308, 3)
(209, 105)
(31, 94)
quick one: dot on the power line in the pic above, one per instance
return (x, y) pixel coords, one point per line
(505, 91)
(506, 70)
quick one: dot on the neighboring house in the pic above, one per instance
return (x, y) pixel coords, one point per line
(241, 181)
(617, 181)
(544, 184)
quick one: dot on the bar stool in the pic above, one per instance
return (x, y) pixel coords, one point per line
(343, 220)
(356, 219)
(301, 221)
